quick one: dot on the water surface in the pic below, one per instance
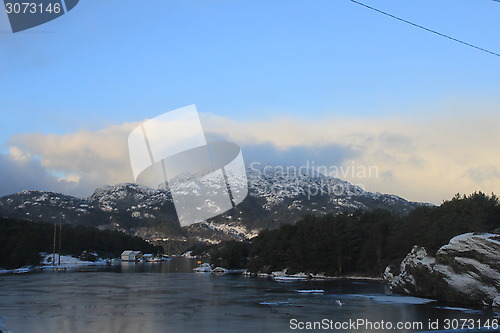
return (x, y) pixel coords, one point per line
(168, 297)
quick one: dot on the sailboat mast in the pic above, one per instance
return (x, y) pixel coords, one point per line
(54, 247)
(59, 250)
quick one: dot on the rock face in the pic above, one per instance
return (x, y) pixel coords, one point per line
(466, 270)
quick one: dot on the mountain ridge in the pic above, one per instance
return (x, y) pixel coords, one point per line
(274, 199)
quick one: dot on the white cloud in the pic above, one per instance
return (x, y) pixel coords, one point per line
(17, 155)
(17, 174)
(424, 157)
(86, 159)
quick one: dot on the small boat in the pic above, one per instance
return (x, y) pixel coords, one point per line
(22, 270)
(203, 268)
(310, 291)
(234, 271)
(282, 278)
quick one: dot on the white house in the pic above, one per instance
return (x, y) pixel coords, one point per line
(131, 255)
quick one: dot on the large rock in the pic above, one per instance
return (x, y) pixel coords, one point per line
(467, 270)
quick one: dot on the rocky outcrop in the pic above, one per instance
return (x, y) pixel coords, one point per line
(466, 270)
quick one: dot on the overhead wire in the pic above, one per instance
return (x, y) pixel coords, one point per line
(427, 29)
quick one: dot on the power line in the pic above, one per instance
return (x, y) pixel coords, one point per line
(427, 29)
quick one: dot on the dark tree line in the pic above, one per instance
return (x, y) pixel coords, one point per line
(231, 254)
(363, 242)
(22, 241)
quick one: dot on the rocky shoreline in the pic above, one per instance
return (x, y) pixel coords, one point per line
(465, 271)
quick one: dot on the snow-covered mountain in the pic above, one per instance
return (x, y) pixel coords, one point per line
(275, 197)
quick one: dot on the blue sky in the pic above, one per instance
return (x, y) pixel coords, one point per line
(111, 62)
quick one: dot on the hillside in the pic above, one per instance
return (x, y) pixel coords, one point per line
(275, 198)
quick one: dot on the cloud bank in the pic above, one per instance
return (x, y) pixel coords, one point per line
(420, 157)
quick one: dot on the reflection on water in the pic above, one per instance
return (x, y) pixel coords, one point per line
(175, 265)
(136, 298)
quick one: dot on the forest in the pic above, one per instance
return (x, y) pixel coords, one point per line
(359, 243)
(22, 241)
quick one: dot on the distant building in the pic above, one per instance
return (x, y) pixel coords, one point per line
(131, 255)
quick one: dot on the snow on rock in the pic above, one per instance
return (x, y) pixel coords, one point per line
(188, 255)
(231, 228)
(466, 270)
(65, 260)
(496, 302)
(203, 268)
(276, 195)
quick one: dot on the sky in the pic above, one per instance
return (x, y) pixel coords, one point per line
(329, 83)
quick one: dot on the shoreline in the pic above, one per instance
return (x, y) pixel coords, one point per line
(53, 268)
(282, 275)
(311, 277)
(72, 264)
